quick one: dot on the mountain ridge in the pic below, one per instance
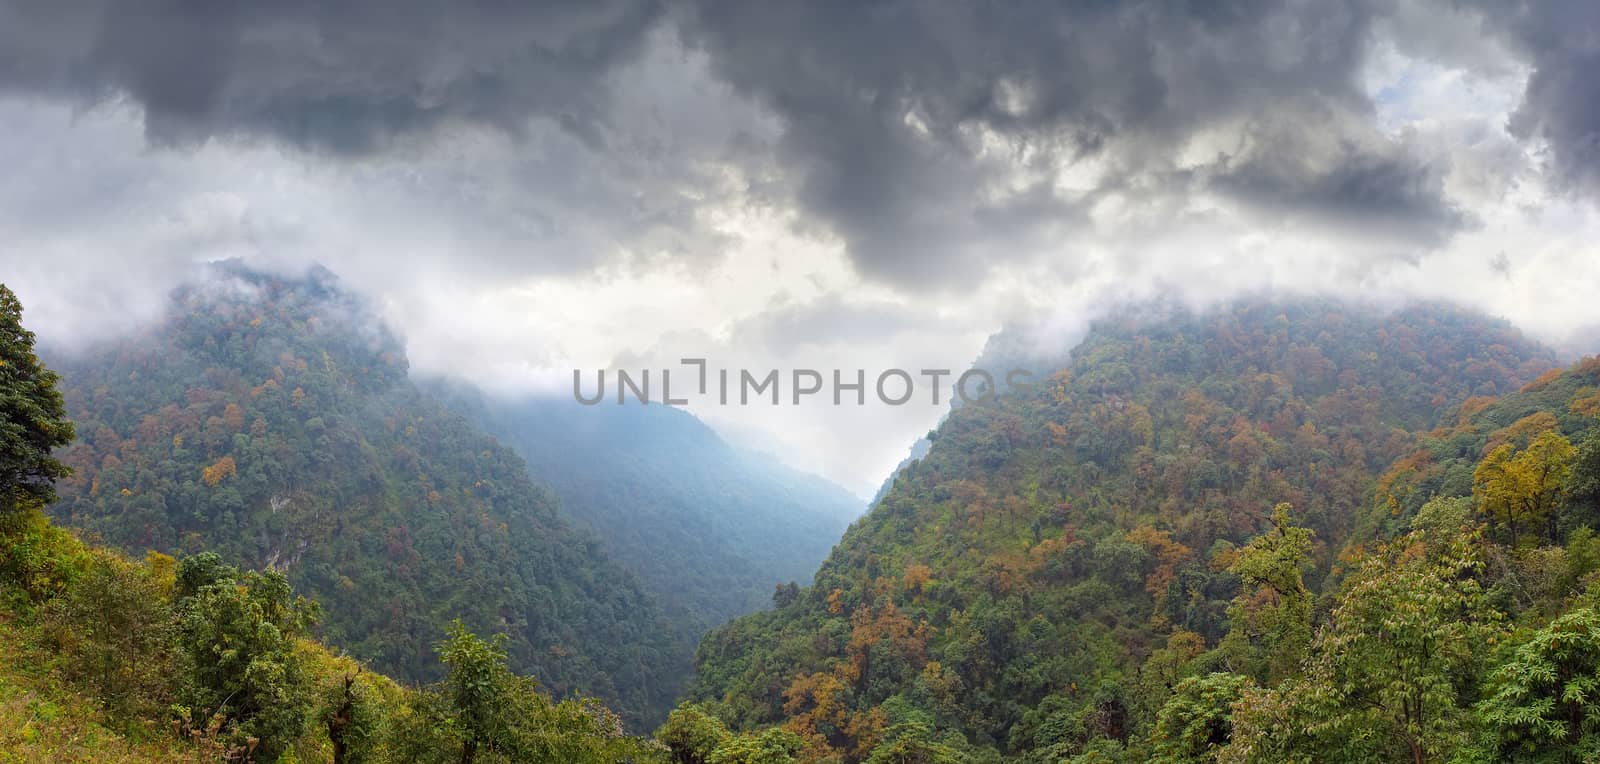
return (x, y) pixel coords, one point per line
(274, 420)
(1105, 494)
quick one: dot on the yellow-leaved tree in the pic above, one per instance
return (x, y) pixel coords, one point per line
(1520, 490)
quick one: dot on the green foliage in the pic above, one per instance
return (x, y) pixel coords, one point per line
(768, 746)
(1198, 719)
(37, 559)
(115, 632)
(914, 743)
(1394, 670)
(356, 721)
(691, 734)
(480, 687)
(1543, 702)
(224, 651)
(1270, 621)
(1042, 586)
(1444, 462)
(33, 418)
(1583, 485)
(271, 421)
(1013, 582)
(484, 712)
(238, 633)
(230, 647)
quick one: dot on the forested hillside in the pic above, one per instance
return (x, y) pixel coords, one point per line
(1039, 583)
(272, 422)
(107, 659)
(1274, 532)
(709, 530)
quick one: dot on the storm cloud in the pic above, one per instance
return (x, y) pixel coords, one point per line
(525, 187)
(933, 139)
(348, 77)
(918, 130)
(1561, 105)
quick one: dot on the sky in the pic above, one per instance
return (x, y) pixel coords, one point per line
(526, 189)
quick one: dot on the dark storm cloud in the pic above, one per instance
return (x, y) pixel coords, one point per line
(910, 123)
(1382, 189)
(935, 139)
(346, 77)
(1561, 105)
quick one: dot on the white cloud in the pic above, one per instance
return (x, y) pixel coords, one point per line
(678, 229)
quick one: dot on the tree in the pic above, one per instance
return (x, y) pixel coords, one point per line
(1198, 719)
(491, 710)
(33, 417)
(1520, 489)
(479, 687)
(1544, 700)
(239, 634)
(1270, 621)
(691, 734)
(1583, 484)
(354, 720)
(114, 626)
(914, 743)
(773, 745)
(1389, 672)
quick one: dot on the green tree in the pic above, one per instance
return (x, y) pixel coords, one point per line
(238, 633)
(33, 417)
(354, 719)
(914, 743)
(1393, 672)
(1270, 621)
(1198, 719)
(480, 689)
(773, 745)
(483, 712)
(114, 627)
(1543, 703)
(691, 734)
(1583, 484)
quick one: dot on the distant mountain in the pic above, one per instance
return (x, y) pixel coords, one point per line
(272, 420)
(1002, 599)
(710, 530)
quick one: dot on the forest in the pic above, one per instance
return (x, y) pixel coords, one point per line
(1275, 531)
(707, 529)
(272, 422)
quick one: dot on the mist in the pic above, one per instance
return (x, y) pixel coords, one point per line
(639, 182)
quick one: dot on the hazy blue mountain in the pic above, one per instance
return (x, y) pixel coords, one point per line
(709, 529)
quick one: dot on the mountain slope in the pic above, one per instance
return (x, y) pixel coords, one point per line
(272, 421)
(1444, 461)
(708, 529)
(1052, 540)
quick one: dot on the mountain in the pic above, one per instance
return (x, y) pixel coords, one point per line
(1463, 619)
(708, 529)
(1017, 589)
(272, 421)
(103, 658)
(1443, 462)
(1273, 532)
